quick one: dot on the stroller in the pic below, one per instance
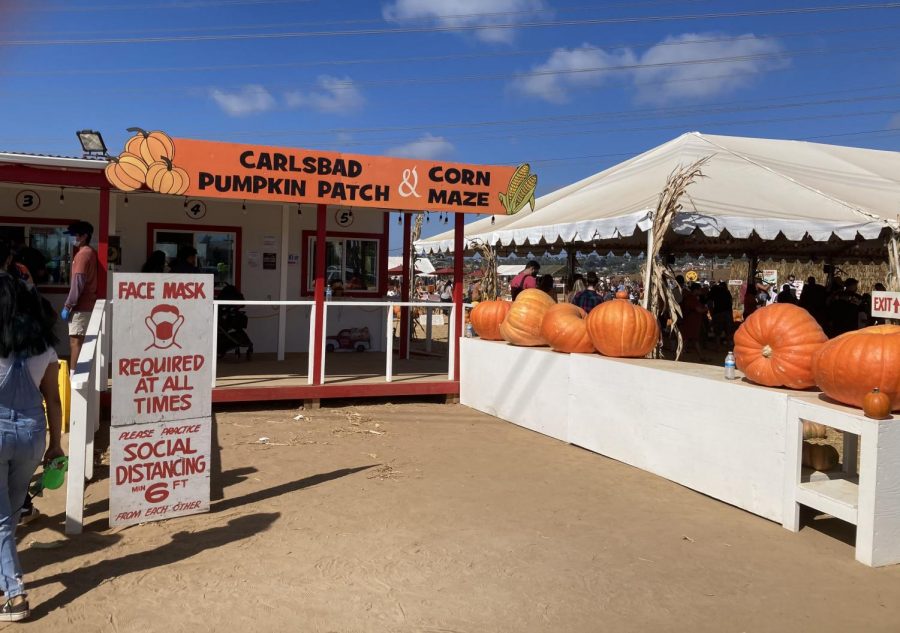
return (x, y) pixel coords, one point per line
(232, 325)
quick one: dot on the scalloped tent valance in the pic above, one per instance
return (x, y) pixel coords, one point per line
(754, 190)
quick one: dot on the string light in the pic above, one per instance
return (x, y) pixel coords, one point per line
(126, 201)
(446, 218)
(399, 220)
(243, 205)
(299, 209)
(493, 219)
(62, 195)
(185, 201)
(427, 217)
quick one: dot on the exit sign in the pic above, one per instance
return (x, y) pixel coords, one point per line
(886, 305)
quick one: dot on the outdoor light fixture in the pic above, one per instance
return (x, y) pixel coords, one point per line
(91, 142)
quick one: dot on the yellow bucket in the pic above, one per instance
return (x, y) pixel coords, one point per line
(65, 394)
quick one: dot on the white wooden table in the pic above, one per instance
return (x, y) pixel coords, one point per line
(871, 500)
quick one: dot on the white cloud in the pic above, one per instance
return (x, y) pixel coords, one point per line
(250, 99)
(463, 13)
(700, 81)
(336, 95)
(427, 147)
(659, 75)
(564, 72)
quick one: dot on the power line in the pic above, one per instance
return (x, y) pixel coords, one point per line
(430, 18)
(353, 84)
(455, 28)
(436, 58)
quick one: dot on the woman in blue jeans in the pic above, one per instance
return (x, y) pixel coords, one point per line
(28, 377)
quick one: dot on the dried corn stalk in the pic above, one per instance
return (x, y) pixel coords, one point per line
(415, 232)
(663, 302)
(893, 274)
(489, 282)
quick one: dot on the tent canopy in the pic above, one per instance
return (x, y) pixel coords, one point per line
(796, 194)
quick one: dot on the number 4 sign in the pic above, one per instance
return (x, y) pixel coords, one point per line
(195, 209)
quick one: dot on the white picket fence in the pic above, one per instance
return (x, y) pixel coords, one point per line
(88, 382)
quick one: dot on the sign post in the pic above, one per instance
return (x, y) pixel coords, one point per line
(162, 399)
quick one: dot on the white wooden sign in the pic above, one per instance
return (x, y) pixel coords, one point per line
(162, 347)
(159, 471)
(886, 304)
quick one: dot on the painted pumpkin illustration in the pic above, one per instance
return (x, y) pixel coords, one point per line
(164, 177)
(127, 172)
(151, 146)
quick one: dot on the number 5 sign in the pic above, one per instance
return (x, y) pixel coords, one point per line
(343, 217)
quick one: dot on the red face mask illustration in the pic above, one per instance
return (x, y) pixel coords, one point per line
(164, 322)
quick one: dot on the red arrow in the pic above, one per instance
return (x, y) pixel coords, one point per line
(896, 305)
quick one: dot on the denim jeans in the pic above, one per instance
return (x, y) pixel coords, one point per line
(23, 440)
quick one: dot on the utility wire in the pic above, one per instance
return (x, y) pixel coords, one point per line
(433, 58)
(455, 28)
(353, 84)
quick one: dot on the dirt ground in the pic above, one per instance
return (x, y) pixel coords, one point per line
(435, 518)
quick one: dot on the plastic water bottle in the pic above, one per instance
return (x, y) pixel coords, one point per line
(729, 366)
(327, 293)
(469, 331)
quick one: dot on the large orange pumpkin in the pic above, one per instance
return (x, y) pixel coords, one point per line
(775, 346)
(486, 318)
(522, 325)
(850, 366)
(564, 330)
(151, 146)
(164, 177)
(621, 329)
(126, 172)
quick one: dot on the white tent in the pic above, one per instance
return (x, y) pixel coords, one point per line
(755, 189)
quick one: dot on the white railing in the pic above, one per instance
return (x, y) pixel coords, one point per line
(428, 306)
(389, 330)
(88, 381)
(282, 329)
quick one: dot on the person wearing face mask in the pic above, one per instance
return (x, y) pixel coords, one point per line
(82, 289)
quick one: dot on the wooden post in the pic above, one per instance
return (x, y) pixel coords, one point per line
(103, 243)
(319, 294)
(458, 253)
(405, 286)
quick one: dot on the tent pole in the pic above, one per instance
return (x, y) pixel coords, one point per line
(648, 268)
(570, 263)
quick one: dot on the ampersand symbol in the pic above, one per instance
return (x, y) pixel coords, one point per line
(407, 188)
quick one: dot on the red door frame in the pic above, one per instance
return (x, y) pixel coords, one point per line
(458, 234)
(316, 345)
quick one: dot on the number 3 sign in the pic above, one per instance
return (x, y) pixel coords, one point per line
(28, 200)
(343, 217)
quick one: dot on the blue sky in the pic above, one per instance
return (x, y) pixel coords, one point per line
(568, 85)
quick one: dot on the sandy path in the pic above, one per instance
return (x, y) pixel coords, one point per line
(435, 518)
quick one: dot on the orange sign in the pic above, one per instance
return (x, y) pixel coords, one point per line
(230, 170)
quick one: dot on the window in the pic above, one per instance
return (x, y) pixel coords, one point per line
(217, 249)
(354, 262)
(45, 248)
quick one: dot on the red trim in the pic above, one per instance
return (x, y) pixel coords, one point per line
(199, 228)
(303, 392)
(103, 244)
(20, 220)
(383, 254)
(458, 235)
(306, 291)
(316, 345)
(53, 176)
(405, 290)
